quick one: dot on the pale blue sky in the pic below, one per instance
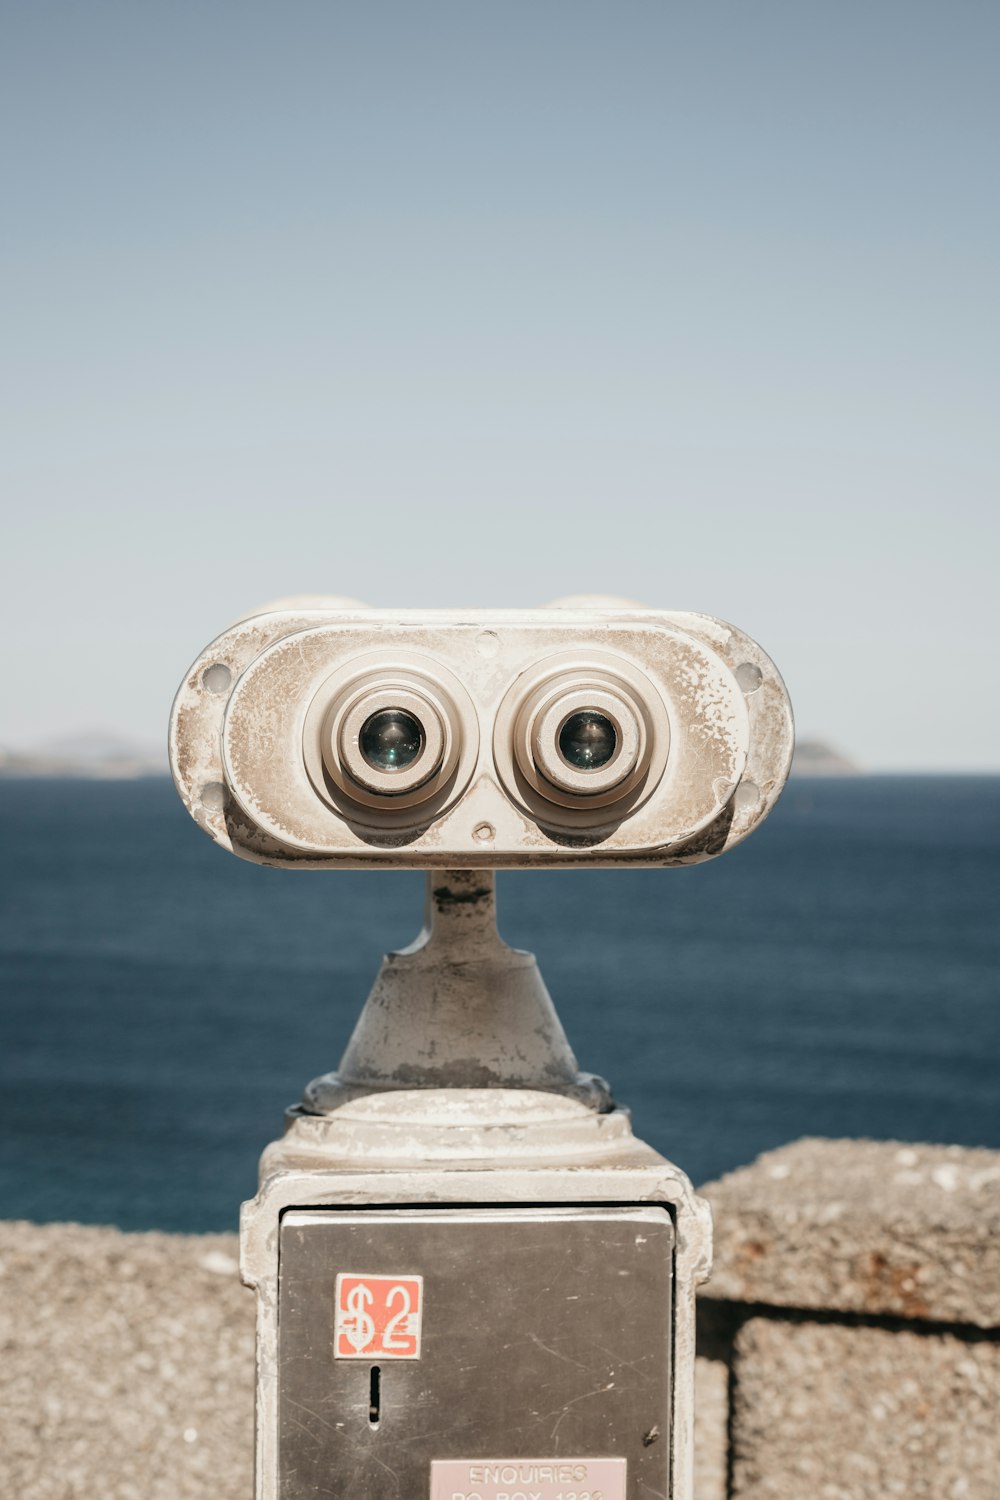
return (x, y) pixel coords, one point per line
(486, 304)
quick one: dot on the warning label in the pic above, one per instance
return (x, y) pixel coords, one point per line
(528, 1479)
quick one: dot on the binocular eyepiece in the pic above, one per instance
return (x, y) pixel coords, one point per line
(596, 734)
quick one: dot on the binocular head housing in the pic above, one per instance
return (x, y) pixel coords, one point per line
(320, 733)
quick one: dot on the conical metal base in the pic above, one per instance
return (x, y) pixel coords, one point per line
(458, 1010)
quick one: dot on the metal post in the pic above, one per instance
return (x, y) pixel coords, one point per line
(457, 1009)
(459, 1091)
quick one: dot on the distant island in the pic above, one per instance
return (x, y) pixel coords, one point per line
(96, 755)
(817, 758)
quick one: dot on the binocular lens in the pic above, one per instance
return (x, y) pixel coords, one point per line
(391, 739)
(587, 740)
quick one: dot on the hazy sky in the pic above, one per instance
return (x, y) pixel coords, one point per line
(483, 304)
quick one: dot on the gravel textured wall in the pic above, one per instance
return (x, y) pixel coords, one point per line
(870, 1227)
(126, 1366)
(855, 1307)
(853, 1413)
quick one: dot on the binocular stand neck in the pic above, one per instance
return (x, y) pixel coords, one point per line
(457, 1053)
(458, 1009)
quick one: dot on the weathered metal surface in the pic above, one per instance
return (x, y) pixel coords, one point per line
(545, 1330)
(457, 1009)
(252, 724)
(458, 1088)
(519, 1158)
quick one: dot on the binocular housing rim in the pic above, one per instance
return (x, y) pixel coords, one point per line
(361, 687)
(526, 738)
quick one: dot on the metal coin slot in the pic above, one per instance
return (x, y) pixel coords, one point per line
(375, 1396)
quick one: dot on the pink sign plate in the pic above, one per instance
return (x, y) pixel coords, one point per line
(378, 1317)
(528, 1479)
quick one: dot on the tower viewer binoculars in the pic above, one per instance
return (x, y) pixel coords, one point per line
(582, 733)
(473, 1282)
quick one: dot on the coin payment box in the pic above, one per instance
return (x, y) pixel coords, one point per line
(475, 1354)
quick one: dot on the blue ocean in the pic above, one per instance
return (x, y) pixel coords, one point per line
(162, 1002)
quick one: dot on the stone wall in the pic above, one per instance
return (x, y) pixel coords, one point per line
(850, 1337)
(126, 1366)
(848, 1342)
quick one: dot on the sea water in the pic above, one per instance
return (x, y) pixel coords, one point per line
(162, 1002)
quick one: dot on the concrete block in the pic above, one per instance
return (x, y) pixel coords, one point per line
(862, 1227)
(834, 1412)
(711, 1423)
(126, 1365)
